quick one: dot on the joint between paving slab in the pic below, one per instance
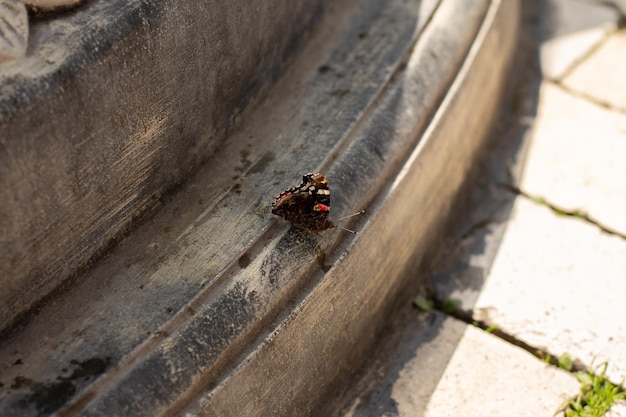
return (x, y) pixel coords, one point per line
(581, 59)
(574, 366)
(577, 365)
(587, 97)
(564, 362)
(578, 214)
(542, 354)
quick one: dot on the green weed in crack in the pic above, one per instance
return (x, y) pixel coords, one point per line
(452, 308)
(597, 394)
(449, 306)
(422, 303)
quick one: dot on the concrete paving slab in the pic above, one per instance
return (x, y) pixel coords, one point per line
(560, 54)
(489, 377)
(440, 366)
(601, 75)
(572, 29)
(575, 160)
(558, 283)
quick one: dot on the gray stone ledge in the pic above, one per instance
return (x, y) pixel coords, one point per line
(115, 103)
(214, 307)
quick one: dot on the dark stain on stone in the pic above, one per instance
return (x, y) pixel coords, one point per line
(162, 333)
(321, 258)
(262, 163)
(339, 93)
(236, 188)
(88, 368)
(244, 261)
(363, 35)
(245, 162)
(18, 362)
(20, 382)
(324, 69)
(47, 397)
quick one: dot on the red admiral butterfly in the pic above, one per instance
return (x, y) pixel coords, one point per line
(307, 206)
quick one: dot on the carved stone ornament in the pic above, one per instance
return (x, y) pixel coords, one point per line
(13, 29)
(14, 24)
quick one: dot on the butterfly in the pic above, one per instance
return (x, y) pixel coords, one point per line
(307, 206)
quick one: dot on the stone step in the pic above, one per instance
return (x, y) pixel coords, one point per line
(214, 306)
(115, 104)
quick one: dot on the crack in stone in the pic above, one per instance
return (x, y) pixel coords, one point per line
(467, 316)
(588, 97)
(573, 66)
(541, 353)
(579, 214)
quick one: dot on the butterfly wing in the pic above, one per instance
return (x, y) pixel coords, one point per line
(306, 206)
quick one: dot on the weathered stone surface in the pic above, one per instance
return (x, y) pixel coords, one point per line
(13, 30)
(553, 282)
(116, 103)
(52, 4)
(213, 294)
(345, 293)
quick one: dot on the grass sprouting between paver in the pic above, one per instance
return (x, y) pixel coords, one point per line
(597, 395)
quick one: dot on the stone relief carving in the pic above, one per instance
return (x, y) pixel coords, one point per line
(13, 29)
(14, 24)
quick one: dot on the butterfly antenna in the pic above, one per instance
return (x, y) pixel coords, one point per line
(351, 215)
(347, 230)
(346, 217)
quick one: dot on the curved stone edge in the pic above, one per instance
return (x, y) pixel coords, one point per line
(305, 366)
(87, 337)
(327, 334)
(184, 360)
(50, 5)
(102, 117)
